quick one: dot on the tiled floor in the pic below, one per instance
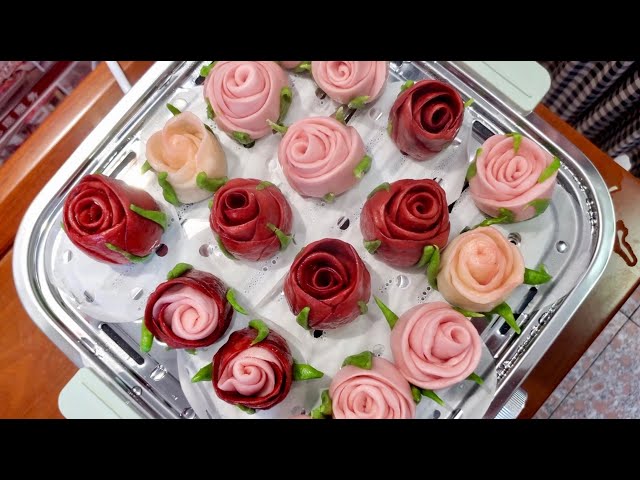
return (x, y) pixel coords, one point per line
(605, 383)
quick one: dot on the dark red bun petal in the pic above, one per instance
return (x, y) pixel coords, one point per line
(204, 282)
(241, 211)
(330, 278)
(96, 212)
(239, 341)
(425, 118)
(408, 217)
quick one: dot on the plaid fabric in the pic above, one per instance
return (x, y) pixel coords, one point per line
(601, 100)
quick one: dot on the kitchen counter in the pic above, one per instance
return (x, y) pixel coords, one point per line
(33, 370)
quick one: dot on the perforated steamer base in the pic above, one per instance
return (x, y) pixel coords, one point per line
(573, 238)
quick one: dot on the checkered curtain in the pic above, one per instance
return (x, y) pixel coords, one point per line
(602, 101)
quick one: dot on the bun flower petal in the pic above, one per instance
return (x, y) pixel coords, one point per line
(377, 392)
(322, 157)
(512, 178)
(111, 221)
(401, 219)
(243, 96)
(479, 269)
(189, 310)
(188, 157)
(435, 346)
(254, 369)
(328, 285)
(353, 83)
(251, 219)
(425, 118)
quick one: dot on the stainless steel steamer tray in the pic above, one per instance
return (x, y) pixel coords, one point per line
(576, 246)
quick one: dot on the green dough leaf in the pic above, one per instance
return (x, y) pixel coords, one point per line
(504, 216)
(504, 310)
(550, 170)
(329, 197)
(358, 102)
(363, 307)
(389, 128)
(416, 394)
(362, 360)
(476, 378)
(285, 239)
(302, 371)
(146, 166)
(536, 277)
(247, 410)
(363, 167)
(168, 192)
(262, 329)
(210, 184)
(372, 245)
(286, 96)
(433, 396)
(469, 313)
(517, 140)
(231, 298)
(433, 267)
(204, 374)
(191, 351)
(264, 184)
(427, 253)
(303, 67)
(389, 315)
(204, 71)
(129, 256)
(303, 318)
(340, 114)
(383, 186)
(326, 407)
(210, 113)
(469, 102)
(276, 127)
(407, 84)
(223, 249)
(173, 109)
(154, 215)
(242, 138)
(179, 270)
(146, 338)
(540, 205)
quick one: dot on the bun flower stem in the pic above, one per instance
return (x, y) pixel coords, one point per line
(284, 239)
(286, 96)
(433, 396)
(173, 109)
(433, 267)
(504, 216)
(358, 102)
(363, 167)
(129, 256)
(407, 84)
(469, 313)
(247, 410)
(276, 127)
(179, 270)
(168, 192)
(154, 215)
(302, 318)
(243, 139)
(504, 310)
(476, 378)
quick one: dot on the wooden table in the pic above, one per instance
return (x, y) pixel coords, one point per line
(33, 370)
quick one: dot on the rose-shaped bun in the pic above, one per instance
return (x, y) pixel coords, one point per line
(190, 311)
(405, 216)
(425, 118)
(507, 175)
(99, 219)
(479, 269)
(379, 393)
(346, 81)
(183, 149)
(435, 346)
(318, 156)
(330, 278)
(290, 65)
(254, 376)
(244, 95)
(245, 215)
